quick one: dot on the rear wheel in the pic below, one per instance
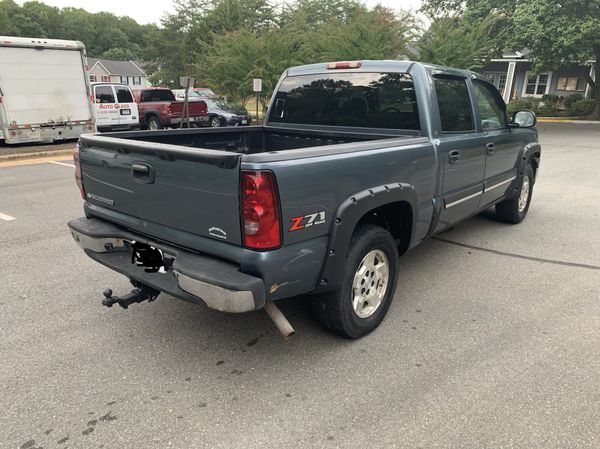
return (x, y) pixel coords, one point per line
(215, 122)
(515, 210)
(361, 302)
(153, 123)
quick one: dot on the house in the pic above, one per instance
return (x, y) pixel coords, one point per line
(110, 71)
(512, 75)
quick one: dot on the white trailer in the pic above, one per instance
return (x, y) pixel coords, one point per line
(43, 90)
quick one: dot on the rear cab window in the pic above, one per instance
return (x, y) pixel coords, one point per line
(454, 103)
(153, 95)
(360, 99)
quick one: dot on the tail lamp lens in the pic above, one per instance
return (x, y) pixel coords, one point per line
(260, 210)
(78, 177)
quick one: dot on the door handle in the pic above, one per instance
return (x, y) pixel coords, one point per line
(142, 172)
(490, 148)
(454, 156)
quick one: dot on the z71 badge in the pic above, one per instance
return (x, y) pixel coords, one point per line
(306, 221)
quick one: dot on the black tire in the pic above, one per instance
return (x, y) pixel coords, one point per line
(335, 310)
(215, 122)
(153, 123)
(512, 211)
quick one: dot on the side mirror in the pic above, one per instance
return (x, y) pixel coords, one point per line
(524, 119)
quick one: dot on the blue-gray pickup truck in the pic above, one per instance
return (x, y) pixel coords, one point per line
(357, 163)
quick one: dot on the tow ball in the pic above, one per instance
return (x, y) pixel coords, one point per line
(143, 293)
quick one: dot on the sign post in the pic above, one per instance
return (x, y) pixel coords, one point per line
(186, 82)
(257, 87)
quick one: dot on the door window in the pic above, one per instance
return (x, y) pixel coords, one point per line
(104, 94)
(123, 94)
(491, 106)
(454, 104)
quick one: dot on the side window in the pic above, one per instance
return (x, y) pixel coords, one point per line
(123, 94)
(491, 106)
(454, 104)
(104, 94)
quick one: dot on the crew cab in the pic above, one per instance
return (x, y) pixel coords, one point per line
(159, 109)
(357, 163)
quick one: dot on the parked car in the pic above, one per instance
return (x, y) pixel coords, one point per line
(114, 107)
(221, 113)
(192, 95)
(357, 163)
(159, 109)
(44, 94)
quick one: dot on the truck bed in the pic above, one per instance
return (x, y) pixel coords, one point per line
(248, 140)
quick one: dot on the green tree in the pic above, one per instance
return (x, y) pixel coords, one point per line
(379, 33)
(449, 42)
(561, 33)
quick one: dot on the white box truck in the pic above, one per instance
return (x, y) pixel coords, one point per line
(43, 90)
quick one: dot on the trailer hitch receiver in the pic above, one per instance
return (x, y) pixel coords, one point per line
(140, 294)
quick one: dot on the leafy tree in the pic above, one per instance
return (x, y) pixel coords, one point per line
(561, 33)
(449, 42)
(367, 34)
(557, 33)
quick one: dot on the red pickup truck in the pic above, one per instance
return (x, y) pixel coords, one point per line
(159, 109)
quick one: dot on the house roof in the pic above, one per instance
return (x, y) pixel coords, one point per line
(117, 67)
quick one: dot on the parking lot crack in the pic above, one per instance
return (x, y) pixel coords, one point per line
(520, 256)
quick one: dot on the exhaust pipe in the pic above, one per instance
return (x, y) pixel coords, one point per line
(279, 319)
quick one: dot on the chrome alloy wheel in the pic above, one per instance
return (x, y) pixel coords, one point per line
(370, 283)
(524, 196)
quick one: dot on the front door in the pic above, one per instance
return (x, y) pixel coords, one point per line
(502, 145)
(460, 149)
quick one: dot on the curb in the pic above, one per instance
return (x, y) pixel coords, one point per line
(18, 156)
(569, 121)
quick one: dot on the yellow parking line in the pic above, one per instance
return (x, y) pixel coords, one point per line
(6, 217)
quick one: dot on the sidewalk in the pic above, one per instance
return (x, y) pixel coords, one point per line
(15, 152)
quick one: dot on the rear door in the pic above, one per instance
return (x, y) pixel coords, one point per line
(128, 110)
(502, 146)
(460, 149)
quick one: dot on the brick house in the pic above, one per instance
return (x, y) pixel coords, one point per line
(512, 75)
(124, 72)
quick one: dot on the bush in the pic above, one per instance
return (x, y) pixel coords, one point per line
(550, 99)
(572, 99)
(581, 108)
(519, 105)
(548, 110)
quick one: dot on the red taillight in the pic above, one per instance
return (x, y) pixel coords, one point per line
(260, 210)
(344, 65)
(78, 177)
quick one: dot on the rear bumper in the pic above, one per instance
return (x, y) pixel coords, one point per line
(192, 277)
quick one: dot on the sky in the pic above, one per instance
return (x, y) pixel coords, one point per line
(150, 11)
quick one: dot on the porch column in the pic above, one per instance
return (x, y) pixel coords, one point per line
(510, 77)
(593, 76)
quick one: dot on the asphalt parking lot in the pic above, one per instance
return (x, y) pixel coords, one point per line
(493, 339)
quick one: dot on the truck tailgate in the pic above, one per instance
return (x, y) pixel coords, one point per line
(191, 190)
(195, 108)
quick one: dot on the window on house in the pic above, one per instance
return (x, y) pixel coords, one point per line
(105, 79)
(537, 84)
(454, 103)
(92, 78)
(571, 84)
(491, 106)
